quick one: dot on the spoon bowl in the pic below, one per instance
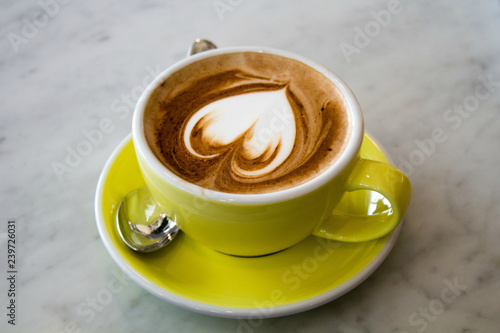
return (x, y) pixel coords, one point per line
(141, 223)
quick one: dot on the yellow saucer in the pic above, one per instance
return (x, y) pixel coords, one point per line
(192, 276)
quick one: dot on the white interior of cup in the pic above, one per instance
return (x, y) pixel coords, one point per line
(355, 116)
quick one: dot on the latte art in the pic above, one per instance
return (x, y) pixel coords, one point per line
(257, 126)
(247, 123)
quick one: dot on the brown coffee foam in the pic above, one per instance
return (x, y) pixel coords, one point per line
(320, 112)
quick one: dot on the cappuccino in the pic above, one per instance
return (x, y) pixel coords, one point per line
(247, 122)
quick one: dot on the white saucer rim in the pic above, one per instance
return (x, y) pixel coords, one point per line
(221, 311)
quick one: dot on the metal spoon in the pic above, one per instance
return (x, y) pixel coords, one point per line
(141, 223)
(201, 45)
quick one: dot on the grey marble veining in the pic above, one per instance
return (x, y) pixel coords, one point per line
(420, 72)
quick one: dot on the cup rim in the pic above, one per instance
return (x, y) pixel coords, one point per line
(350, 151)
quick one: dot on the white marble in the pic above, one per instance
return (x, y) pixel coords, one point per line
(88, 61)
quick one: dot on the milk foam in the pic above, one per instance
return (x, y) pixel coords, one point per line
(265, 120)
(247, 122)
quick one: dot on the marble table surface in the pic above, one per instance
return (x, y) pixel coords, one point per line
(426, 73)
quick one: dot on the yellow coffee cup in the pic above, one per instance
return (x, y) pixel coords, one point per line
(259, 224)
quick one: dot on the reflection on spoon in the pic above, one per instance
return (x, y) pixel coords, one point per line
(141, 223)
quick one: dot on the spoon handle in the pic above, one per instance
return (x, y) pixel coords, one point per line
(201, 45)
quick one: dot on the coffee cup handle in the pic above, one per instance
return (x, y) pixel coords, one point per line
(373, 176)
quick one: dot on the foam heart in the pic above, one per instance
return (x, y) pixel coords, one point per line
(264, 119)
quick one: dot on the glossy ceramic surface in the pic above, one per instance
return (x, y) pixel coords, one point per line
(190, 275)
(259, 224)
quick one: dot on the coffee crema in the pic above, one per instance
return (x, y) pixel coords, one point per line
(247, 122)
